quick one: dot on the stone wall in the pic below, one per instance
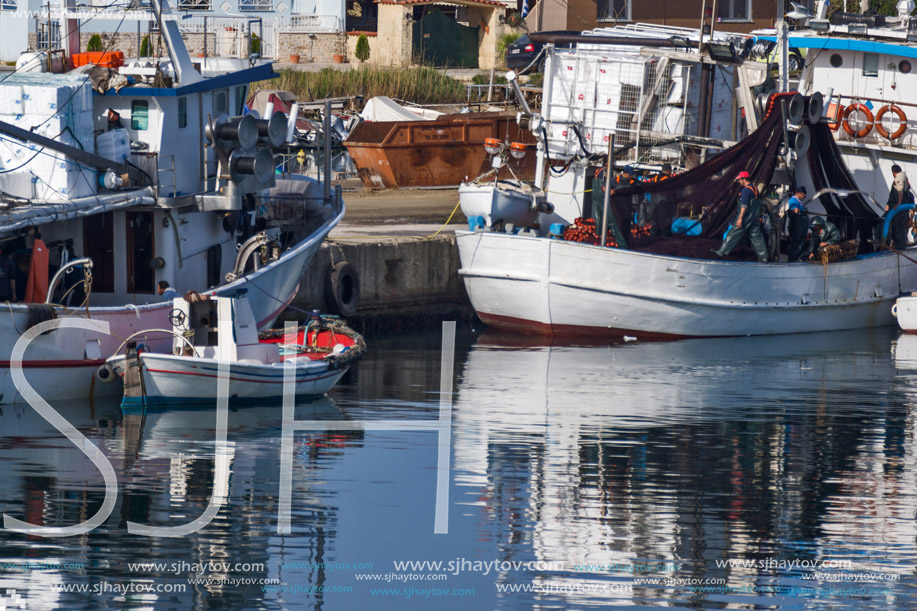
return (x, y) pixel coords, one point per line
(127, 43)
(311, 48)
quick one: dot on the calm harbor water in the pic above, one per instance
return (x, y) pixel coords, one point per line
(752, 473)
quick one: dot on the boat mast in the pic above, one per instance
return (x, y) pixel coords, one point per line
(185, 72)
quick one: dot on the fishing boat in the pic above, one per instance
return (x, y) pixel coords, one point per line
(665, 283)
(214, 333)
(122, 178)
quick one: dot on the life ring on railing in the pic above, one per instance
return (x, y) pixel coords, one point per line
(869, 120)
(902, 122)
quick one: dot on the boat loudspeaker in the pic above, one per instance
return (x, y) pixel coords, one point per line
(800, 140)
(816, 107)
(238, 130)
(795, 109)
(273, 131)
(260, 165)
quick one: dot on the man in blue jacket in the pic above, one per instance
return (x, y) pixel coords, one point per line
(798, 224)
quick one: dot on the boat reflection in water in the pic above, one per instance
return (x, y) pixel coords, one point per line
(774, 448)
(166, 470)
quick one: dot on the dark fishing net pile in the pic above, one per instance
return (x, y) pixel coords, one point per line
(706, 197)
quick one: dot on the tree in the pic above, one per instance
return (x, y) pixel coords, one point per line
(95, 43)
(362, 50)
(145, 50)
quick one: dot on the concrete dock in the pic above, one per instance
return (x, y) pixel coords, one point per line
(404, 256)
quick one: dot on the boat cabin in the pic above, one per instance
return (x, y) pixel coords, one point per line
(220, 328)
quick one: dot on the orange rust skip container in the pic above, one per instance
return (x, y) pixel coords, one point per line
(109, 59)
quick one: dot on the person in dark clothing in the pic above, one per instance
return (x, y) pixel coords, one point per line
(621, 181)
(899, 195)
(7, 278)
(824, 233)
(798, 224)
(748, 222)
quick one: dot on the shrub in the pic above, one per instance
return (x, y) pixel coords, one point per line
(145, 47)
(95, 43)
(362, 50)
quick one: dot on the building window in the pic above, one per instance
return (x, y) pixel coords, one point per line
(182, 112)
(194, 5)
(256, 5)
(140, 115)
(614, 10)
(734, 10)
(7, 5)
(870, 64)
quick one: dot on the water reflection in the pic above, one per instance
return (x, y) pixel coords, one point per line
(737, 463)
(767, 449)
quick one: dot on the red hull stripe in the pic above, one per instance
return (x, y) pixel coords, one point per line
(73, 363)
(576, 331)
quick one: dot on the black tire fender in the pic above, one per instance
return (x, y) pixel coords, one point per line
(342, 289)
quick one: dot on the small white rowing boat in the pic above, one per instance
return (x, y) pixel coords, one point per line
(214, 332)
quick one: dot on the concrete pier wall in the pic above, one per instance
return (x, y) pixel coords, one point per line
(404, 283)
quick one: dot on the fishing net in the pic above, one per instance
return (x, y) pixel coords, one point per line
(688, 214)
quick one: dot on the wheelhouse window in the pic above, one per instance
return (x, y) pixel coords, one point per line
(734, 10)
(614, 10)
(240, 100)
(871, 64)
(140, 115)
(221, 102)
(182, 112)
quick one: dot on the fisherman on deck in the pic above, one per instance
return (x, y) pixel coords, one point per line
(621, 181)
(748, 222)
(899, 195)
(798, 224)
(824, 233)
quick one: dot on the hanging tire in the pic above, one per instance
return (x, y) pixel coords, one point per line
(342, 289)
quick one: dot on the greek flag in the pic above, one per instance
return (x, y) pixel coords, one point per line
(525, 8)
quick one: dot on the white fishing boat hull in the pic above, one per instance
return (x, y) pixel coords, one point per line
(62, 363)
(553, 287)
(182, 380)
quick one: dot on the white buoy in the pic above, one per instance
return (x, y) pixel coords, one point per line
(291, 121)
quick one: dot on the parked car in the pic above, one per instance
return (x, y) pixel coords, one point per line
(521, 52)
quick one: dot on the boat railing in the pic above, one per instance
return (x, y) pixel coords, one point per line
(858, 121)
(68, 267)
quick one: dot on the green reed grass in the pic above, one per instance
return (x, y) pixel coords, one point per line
(420, 85)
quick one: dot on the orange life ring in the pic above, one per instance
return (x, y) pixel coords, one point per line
(902, 122)
(869, 120)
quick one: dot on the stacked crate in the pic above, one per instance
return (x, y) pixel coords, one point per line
(57, 107)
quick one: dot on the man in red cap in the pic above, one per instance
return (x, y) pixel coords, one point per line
(748, 222)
